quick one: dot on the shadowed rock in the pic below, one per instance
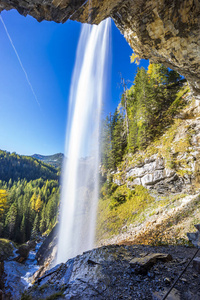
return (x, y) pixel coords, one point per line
(141, 265)
(105, 273)
(194, 237)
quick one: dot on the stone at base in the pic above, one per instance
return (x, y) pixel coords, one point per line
(196, 264)
(174, 295)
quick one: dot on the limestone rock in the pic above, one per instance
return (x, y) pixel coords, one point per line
(153, 173)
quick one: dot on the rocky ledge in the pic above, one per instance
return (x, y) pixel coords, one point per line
(120, 272)
(154, 174)
(165, 31)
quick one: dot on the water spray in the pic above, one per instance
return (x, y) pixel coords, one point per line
(79, 195)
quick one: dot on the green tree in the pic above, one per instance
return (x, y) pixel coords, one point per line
(11, 221)
(118, 143)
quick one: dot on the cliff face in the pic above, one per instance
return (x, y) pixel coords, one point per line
(170, 164)
(165, 31)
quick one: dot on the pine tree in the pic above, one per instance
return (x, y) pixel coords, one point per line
(106, 143)
(36, 226)
(11, 221)
(43, 226)
(118, 134)
(23, 229)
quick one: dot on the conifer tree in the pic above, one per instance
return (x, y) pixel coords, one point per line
(38, 204)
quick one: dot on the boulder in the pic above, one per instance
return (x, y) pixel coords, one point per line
(24, 250)
(141, 265)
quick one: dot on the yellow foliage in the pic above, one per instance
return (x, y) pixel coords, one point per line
(150, 69)
(3, 201)
(33, 201)
(111, 219)
(135, 58)
(38, 204)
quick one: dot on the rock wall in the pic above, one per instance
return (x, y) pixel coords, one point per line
(175, 165)
(164, 31)
(154, 174)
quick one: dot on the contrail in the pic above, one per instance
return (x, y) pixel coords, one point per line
(20, 62)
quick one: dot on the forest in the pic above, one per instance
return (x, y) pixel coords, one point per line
(145, 110)
(15, 167)
(29, 197)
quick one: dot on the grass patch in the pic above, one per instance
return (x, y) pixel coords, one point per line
(122, 208)
(6, 249)
(26, 296)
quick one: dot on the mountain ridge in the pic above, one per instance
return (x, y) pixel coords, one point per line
(54, 160)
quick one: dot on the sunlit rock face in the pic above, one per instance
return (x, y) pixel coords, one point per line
(165, 31)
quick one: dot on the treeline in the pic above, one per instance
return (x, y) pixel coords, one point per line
(145, 110)
(17, 167)
(28, 209)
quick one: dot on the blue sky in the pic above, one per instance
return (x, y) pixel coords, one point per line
(47, 51)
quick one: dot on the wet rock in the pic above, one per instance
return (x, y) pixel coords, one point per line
(111, 277)
(142, 264)
(196, 264)
(174, 295)
(167, 281)
(47, 251)
(24, 250)
(183, 280)
(14, 284)
(151, 274)
(92, 262)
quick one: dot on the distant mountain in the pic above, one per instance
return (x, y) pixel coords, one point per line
(14, 166)
(54, 160)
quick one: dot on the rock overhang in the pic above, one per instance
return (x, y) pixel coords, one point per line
(164, 31)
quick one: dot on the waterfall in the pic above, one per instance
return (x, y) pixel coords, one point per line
(79, 193)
